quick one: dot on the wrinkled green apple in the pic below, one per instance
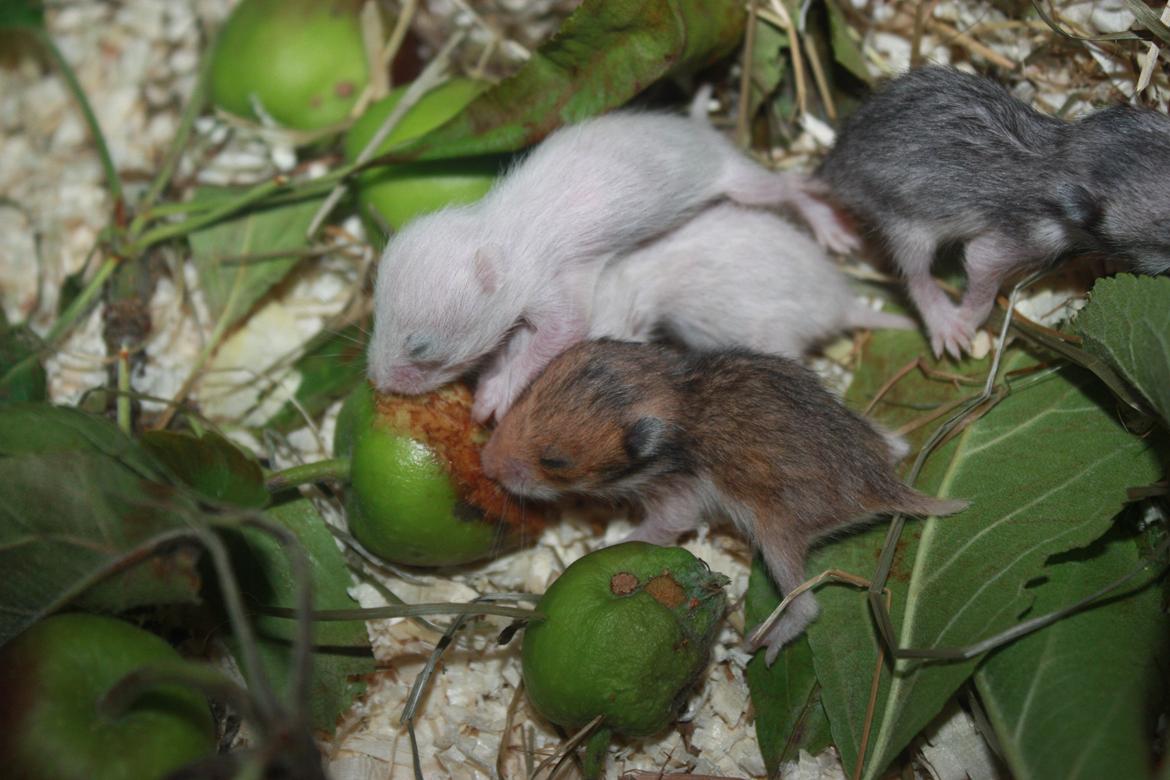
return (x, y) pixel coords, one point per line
(417, 493)
(53, 676)
(626, 634)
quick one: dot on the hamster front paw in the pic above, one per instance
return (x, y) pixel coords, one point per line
(493, 396)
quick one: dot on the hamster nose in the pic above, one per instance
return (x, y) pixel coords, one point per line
(515, 475)
(403, 379)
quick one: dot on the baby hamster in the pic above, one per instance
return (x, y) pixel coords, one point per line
(940, 156)
(731, 277)
(453, 286)
(753, 438)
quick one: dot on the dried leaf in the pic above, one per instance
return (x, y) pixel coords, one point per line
(69, 518)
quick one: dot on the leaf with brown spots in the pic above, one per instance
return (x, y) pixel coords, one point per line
(72, 520)
(605, 53)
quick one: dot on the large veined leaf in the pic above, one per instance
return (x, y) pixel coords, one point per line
(1101, 726)
(28, 428)
(605, 53)
(22, 14)
(1127, 322)
(69, 519)
(217, 469)
(231, 281)
(786, 697)
(22, 377)
(342, 654)
(1046, 470)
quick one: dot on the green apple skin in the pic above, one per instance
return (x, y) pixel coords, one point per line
(52, 677)
(402, 505)
(399, 193)
(631, 655)
(303, 61)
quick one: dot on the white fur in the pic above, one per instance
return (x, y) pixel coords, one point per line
(456, 282)
(731, 277)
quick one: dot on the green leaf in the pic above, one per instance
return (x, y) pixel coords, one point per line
(1127, 322)
(332, 366)
(22, 14)
(605, 53)
(230, 281)
(37, 428)
(217, 469)
(22, 377)
(1046, 470)
(768, 63)
(846, 50)
(786, 697)
(1116, 652)
(69, 518)
(342, 655)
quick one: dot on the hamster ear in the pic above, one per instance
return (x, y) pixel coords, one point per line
(1079, 206)
(487, 264)
(645, 438)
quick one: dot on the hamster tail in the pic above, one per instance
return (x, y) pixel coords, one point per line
(700, 102)
(861, 316)
(914, 503)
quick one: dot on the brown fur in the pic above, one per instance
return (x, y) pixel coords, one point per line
(781, 456)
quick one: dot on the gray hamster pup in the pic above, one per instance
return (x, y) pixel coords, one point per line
(938, 156)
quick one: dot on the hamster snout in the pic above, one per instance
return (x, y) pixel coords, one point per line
(406, 379)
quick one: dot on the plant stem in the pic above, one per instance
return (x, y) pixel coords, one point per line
(191, 112)
(174, 230)
(123, 402)
(334, 468)
(113, 181)
(82, 302)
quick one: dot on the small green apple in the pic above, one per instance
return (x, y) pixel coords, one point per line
(301, 63)
(417, 493)
(401, 192)
(627, 631)
(52, 677)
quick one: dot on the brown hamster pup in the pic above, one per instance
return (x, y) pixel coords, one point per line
(734, 434)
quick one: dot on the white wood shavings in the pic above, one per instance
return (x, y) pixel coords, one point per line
(18, 266)
(952, 749)
(230, 389)
(79, 364)
(824, 766)
(175, 340)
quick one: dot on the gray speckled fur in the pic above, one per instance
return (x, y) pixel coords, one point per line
(939, 156)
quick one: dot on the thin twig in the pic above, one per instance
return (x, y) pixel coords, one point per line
(432, 75)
